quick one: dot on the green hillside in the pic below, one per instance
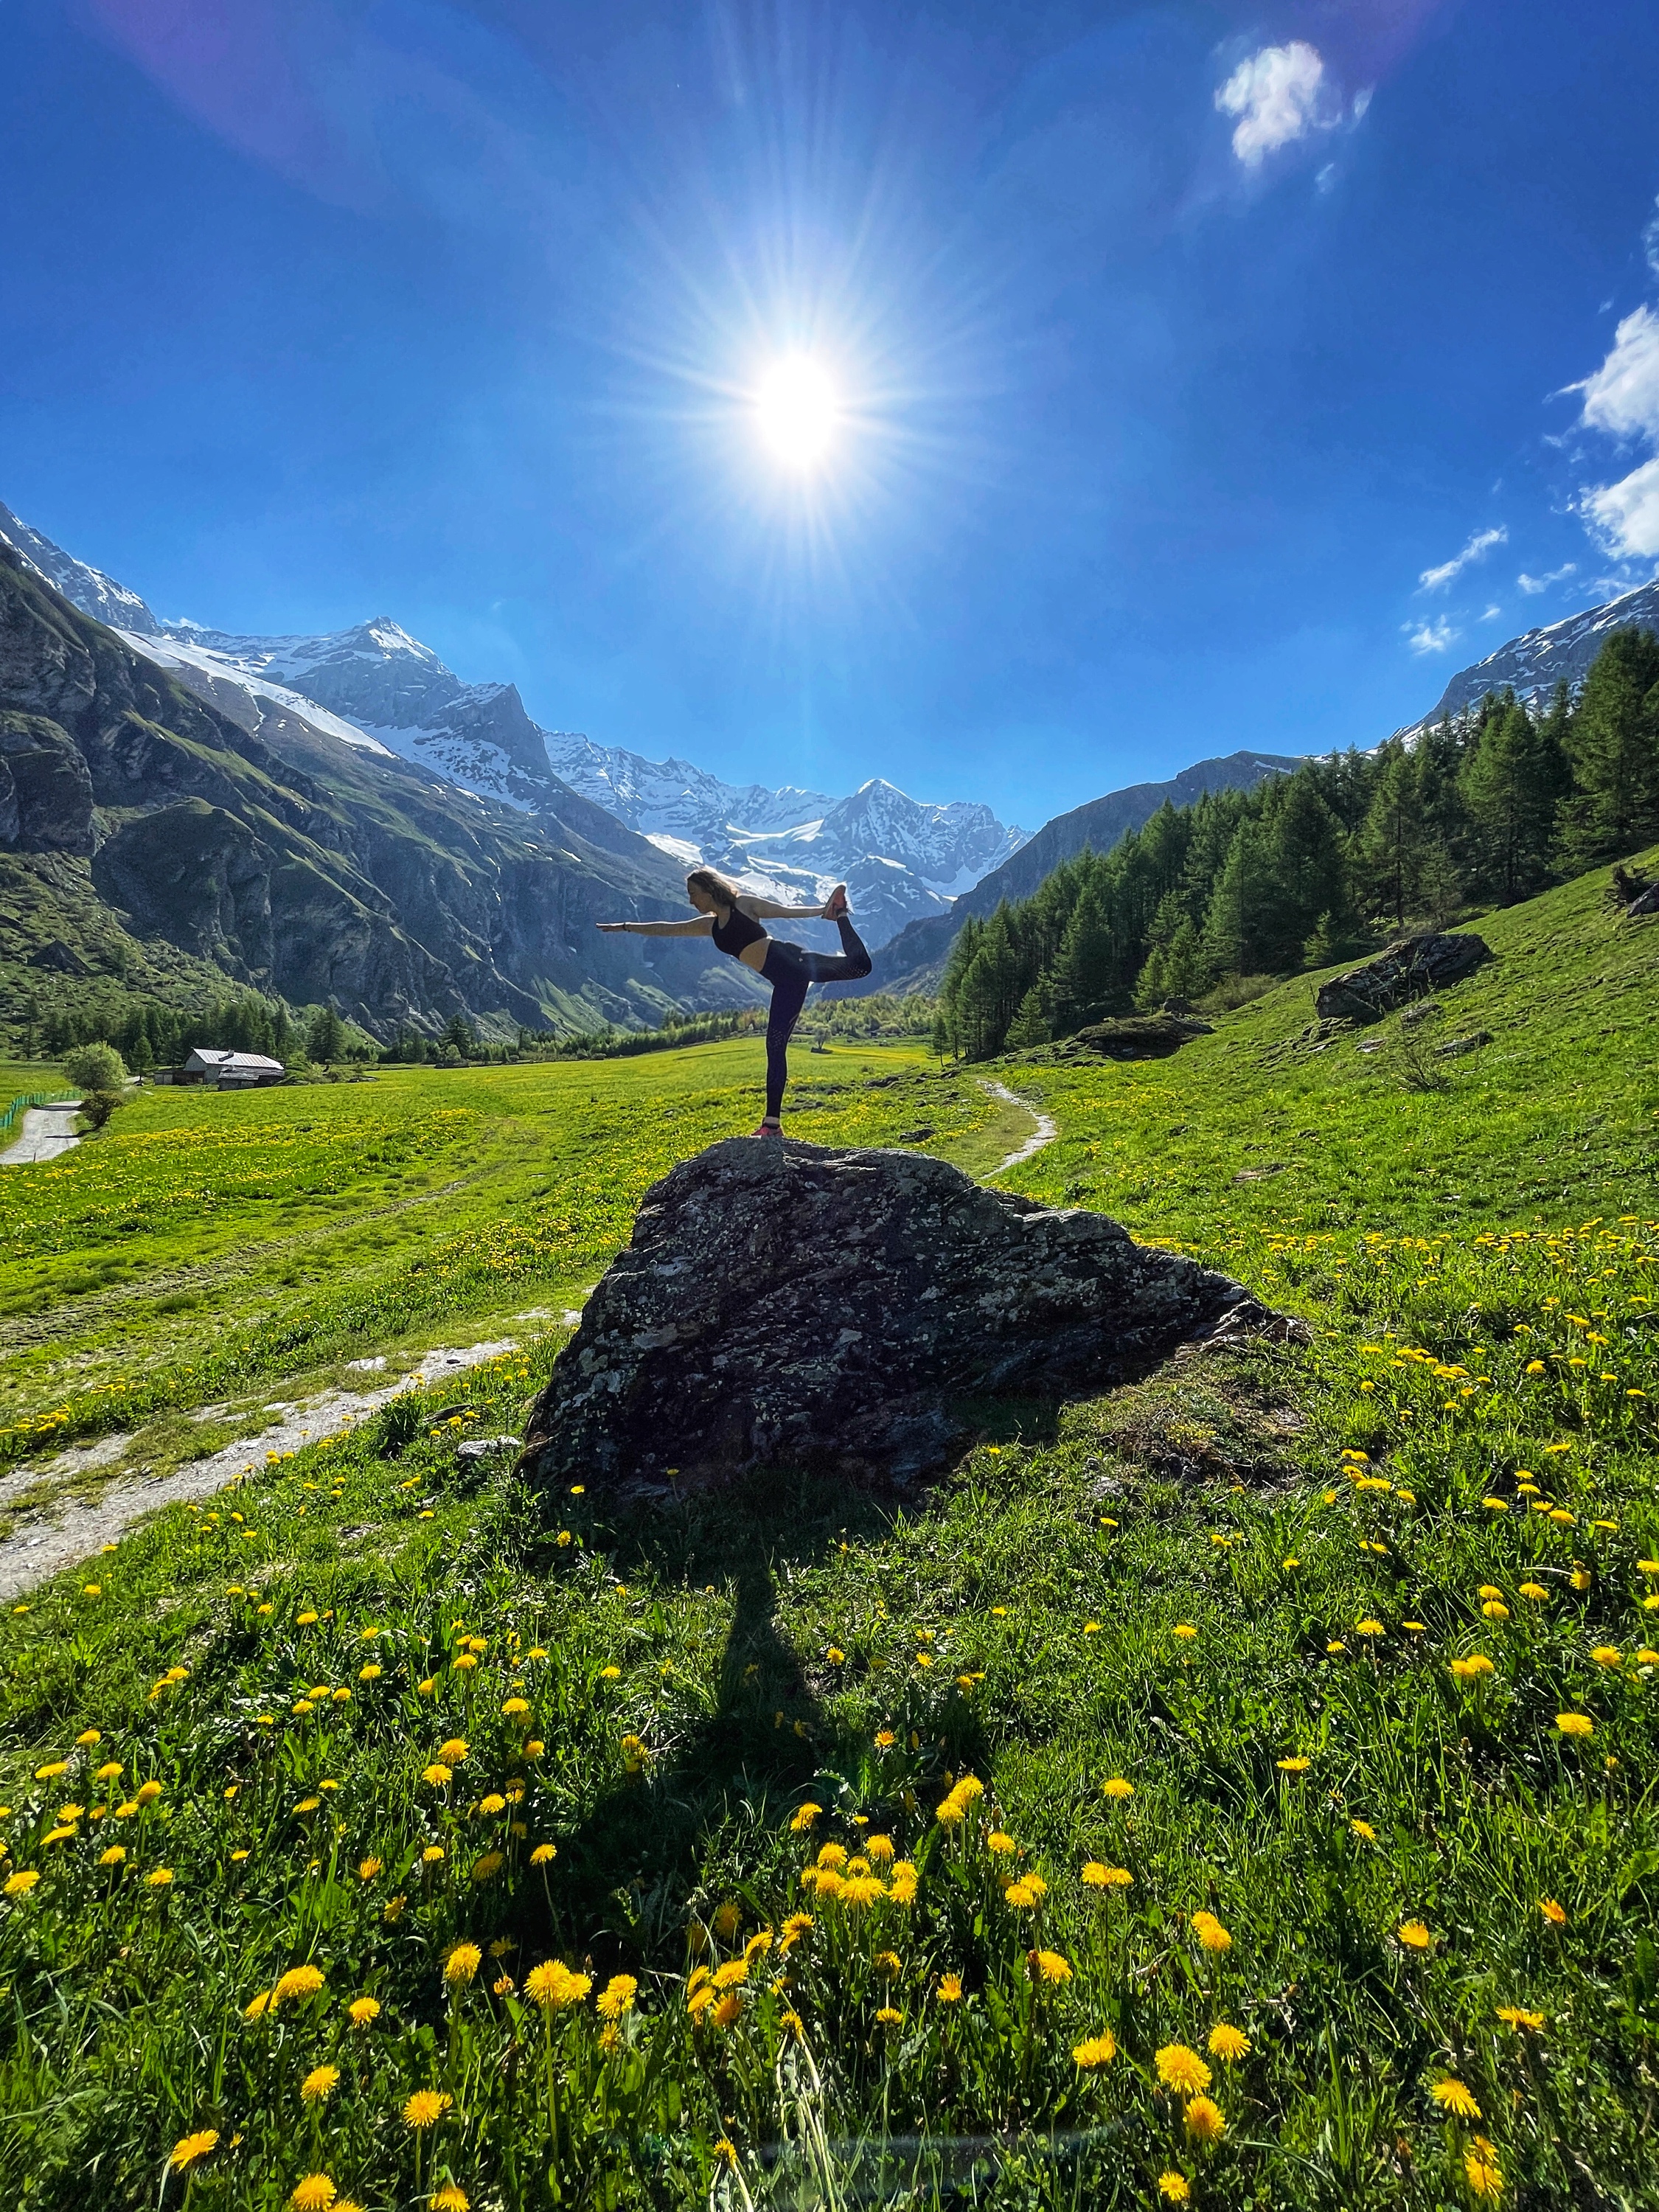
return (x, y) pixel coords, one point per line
(1234, 1791)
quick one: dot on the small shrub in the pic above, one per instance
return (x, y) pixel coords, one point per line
(97, 1106)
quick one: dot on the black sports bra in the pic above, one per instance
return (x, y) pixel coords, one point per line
(737, 930)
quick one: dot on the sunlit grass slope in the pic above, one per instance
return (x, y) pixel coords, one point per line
(205, 1242)
(1237, 1791)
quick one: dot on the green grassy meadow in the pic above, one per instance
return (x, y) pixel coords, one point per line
(1237, 1790)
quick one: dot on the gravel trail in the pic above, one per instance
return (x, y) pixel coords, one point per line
(1044, 1133)
(48, 1132)
(70, 1528)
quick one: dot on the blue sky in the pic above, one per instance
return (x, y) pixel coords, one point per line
(1211, 376)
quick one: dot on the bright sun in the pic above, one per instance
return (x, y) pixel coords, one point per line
(798, 412)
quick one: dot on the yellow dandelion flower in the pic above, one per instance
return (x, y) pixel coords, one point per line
(1575, 1724)
(1095, 2052)
(1452, 2097)
(363, 2012)
(1414, 1935)
(1471, 1670)
(426, 2107)
(1554, 1913)
(1228, 2042)
(320, 2085)
(1518, 2018)
(1174, 2187)
(617, 1998)
(1608, 1654)
(1115, 1786)
(452, 2198)
(544, 1855)
(437, 1774)
(298, 1983)
(1184, 1630)
(1481, 2171)
(368, 1869)
(160, 1877)
(1181, 2070)
(1364, 1829)
(1050, 1967)
(1210, 1932)
(950, 1989)
(314, 2193)
(1097, 1876)
(728, 2009)
(453, 1752)
(1369, 1628)
(1206, 2122)
(113, 1856)
(189, 2148)
(553, 1987)
(889, 2016)
(461, 1962)
(1295, 1765)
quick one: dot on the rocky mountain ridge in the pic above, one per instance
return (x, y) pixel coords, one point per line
(249, 838)
(376, 686)
(1531, 666)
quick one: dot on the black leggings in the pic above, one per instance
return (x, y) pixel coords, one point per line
(789, 970)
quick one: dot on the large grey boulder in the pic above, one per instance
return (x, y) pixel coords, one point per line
(785, 1304)
(1410, 968)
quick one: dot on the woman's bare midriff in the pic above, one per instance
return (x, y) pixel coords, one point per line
(754, 956)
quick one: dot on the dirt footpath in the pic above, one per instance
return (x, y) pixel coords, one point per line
(70, 1528)
(48, 1132)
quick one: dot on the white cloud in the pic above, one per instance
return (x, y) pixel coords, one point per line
(1532, 584)
(1651, 240)
(1625, 515)
(1279, 94)
(1479, 546)
(1622, 396)
(1492, 612)
(1432, 637)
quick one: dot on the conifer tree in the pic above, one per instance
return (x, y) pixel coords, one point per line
(1514, 780)
(1615, 750)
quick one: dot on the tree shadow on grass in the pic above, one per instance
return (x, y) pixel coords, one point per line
(769, 1741)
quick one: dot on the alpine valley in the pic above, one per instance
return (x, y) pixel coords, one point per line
(341, 821)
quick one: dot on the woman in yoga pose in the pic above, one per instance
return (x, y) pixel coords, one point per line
(733, 918)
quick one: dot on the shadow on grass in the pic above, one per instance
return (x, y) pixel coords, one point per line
(769, 1742)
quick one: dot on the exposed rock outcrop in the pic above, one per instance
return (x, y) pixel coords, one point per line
(786, 1304)
(1410, 968)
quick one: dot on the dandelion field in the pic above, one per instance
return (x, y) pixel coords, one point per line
(1235, 1791)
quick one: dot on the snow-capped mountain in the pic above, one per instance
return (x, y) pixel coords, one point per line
(89, 589)
(388, 689)
(899, 858)
(381, 690)
(1534, 665)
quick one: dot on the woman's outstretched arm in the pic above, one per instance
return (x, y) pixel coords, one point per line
(699, 925)
(770, 911)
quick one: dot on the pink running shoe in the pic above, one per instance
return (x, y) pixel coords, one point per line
(837, 908)
(769, 1129)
